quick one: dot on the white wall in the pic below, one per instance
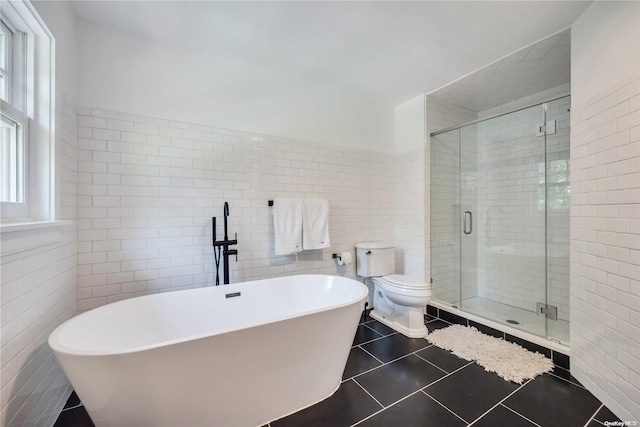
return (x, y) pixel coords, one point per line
(605, 215)
(606, 49)
(410, 191)
(123, 72)
(148, 188)
(410, 125)
(38, 286)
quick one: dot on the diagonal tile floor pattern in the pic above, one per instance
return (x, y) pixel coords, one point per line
(391, 380)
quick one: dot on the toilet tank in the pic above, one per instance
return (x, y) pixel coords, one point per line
(374, 259)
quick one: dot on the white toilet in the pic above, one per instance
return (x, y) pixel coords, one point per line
(398, 300)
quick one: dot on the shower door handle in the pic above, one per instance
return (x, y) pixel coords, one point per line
(468, 220)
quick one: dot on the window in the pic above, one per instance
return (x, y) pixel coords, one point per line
(6, 39)
(12, 120)
(12, 157)
(557, 187)
(26, 116)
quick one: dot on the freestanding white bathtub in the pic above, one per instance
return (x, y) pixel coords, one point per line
(205, 357)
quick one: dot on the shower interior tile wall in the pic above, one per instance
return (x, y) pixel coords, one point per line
(149, 187)
(38, 289)
(605, 246)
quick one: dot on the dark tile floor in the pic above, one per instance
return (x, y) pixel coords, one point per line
(391, 380)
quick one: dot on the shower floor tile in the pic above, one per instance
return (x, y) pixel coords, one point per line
(396, 381)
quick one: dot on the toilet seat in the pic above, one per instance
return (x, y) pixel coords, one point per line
(406, 282)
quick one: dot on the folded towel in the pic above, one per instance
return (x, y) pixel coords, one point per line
(287, 224)
(315, 224)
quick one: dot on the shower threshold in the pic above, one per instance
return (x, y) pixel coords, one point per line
(502, 314)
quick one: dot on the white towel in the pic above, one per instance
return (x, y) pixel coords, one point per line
(315, 224)
(287, 224)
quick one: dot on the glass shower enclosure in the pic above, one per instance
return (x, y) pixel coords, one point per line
(499, 221)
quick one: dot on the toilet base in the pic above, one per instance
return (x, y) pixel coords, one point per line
(419, 331)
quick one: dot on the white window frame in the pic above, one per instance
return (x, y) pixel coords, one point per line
(8, 69)
(34, 110)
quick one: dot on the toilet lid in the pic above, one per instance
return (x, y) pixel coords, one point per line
(406, 281)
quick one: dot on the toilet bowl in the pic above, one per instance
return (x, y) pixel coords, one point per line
(398, 300)
(399, 303)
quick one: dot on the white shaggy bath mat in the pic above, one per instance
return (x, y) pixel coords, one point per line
(510, 361)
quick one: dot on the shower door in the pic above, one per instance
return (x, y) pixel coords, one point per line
(503, 216)
(499, 196)
(445, 217)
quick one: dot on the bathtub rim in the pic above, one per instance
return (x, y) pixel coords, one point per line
(54, 342)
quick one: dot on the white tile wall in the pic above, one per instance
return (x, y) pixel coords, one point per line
(149, 187)
(410, 213)
(605, 246)
(38, 293)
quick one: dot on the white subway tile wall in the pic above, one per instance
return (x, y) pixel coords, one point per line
(148, 189)
(410, 213)
(605, 246)
(38, 293)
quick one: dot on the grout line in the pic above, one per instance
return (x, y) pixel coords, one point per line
(364, 372)
(566, 380)
(72, 407)
(375, 339)
(433, 364)
(518, 413)
(369, 353)
(405, 355)
(366, 391)
(505, 398)
(385, 407)
(594, 415)
(410, 394)
(369, 327)
(436, 400)
(391, 361)
(449, 374)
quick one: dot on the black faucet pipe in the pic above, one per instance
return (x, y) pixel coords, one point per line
(226, 214)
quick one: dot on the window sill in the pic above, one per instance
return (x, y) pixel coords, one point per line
(18, 237)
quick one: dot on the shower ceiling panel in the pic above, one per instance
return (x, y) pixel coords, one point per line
(541, 66)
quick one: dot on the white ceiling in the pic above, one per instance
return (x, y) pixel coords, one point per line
(343, 63)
